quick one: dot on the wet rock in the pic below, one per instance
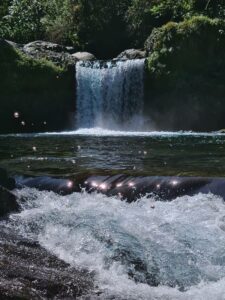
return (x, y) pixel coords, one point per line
(58, 54)
(83, 56)
(132, 54)
(8, 202)
(5, 181)
(27, 271)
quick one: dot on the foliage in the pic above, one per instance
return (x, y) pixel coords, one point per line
(144, 15)
(104, 27)
(100, 25)
(23, 22)
(187, 45)
(58, 21)
(37, 89)
(4, 4)
(186, 71)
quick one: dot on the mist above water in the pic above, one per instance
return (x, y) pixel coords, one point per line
(110, 94)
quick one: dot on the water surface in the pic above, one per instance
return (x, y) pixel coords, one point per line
(99, 151)
(144, 250)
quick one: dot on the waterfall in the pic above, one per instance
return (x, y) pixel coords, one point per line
(110, 94)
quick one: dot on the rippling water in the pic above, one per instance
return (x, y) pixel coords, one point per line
(143, 250)
(156, 153)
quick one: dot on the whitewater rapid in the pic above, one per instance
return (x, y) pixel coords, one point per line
(144, 250)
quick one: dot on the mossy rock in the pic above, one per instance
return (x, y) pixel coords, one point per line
(41, 92)
(186, 74)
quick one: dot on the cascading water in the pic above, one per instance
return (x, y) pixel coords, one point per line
(110, 94)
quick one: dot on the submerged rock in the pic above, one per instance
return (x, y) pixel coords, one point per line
(132, 54)
(27, 271)
(83, 56)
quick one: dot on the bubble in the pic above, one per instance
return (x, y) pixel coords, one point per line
(16, 114)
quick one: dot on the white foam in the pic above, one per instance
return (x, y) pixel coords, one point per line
(179, 242)
(97, 131)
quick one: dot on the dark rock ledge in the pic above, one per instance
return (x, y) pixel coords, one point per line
(27, 271)
(8, 201)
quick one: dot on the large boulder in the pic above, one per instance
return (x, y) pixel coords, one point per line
(27, 271)
(83, 56)
(58, 54)
(132, 54)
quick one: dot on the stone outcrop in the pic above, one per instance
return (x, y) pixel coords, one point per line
(6, 181)
(27, 271)
(8, 201)
(132, 54)
(58, 54)
(83, 56)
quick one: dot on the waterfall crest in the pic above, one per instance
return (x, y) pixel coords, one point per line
(110, 94)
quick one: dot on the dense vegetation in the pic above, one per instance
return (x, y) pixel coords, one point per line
(185, 41)
(37, 89)
(186, 74)
(104, 27)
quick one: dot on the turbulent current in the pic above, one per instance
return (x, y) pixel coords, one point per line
(110, 94)
(144, 250)
(148, 250)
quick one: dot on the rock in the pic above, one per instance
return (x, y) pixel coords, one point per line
(58, 54)
(27, 271)
(8, 202)
(132, 54)
(83, 56)
(5, 181)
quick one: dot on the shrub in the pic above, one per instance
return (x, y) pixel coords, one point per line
(100, 25)
(23, 22)
(37, 89)
(187, 45)
(186, 73)
(58, 22)
(4, 5)
(144, 15)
